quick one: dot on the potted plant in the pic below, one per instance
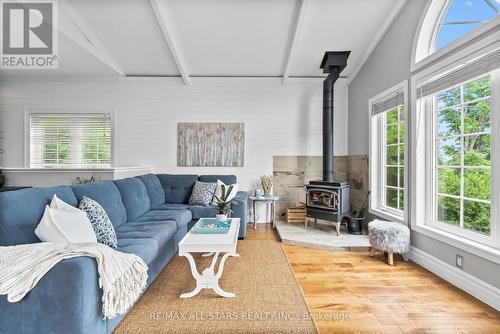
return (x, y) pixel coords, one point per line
(223, 205)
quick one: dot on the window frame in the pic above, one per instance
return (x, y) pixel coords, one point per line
(55, 111)
(423, 51)
(377, 157)
(421, 163)
(432, 180)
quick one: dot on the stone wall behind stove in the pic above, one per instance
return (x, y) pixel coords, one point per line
(291, 173)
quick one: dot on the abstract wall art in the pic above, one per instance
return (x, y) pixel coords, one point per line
(210, 144)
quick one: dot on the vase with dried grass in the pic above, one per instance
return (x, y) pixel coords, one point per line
(267, 185)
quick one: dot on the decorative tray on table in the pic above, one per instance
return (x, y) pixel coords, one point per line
(212, 226)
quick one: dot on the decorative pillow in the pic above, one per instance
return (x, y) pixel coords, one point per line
(104, 230)
(218, 190)
(202, 194)
(64, 223)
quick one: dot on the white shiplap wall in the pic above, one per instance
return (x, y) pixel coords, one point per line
(279, 119)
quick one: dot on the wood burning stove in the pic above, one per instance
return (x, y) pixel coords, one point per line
(328, 199)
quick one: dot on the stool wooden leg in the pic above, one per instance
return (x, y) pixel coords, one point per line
(373, 251)
(390, 258)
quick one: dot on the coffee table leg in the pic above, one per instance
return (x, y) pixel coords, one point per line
(207, 254)
(217, 289)
(196, 276)
(208, 278)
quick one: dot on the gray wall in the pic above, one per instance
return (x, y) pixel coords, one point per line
(388, 65)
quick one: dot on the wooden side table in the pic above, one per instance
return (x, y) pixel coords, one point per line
(269, 201)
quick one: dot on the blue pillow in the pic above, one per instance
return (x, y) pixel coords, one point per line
(203, 193)
(104, 230)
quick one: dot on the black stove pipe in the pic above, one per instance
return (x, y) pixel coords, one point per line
(328, 84)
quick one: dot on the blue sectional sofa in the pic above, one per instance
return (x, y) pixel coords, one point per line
(150, 215)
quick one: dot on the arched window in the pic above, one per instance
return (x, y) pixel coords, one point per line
(446, 22)
(455, 125)
(463, 16)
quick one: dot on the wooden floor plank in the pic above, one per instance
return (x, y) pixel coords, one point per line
(362, 294)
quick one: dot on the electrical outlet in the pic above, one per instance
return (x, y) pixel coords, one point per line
(460, 261)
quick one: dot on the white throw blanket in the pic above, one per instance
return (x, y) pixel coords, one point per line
(122, 276)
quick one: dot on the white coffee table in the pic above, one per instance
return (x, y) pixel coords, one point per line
(209, 244)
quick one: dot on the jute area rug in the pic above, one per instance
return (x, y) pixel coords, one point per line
(268, 298)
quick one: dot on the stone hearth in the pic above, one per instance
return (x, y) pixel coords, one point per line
(321, 235)
(291, 173)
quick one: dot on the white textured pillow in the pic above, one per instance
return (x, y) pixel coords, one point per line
(218, 190)
(64, 223)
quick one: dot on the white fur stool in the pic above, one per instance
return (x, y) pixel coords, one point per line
(389, 237)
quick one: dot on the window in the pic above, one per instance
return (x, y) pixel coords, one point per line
(449, 25)
(456, 172)
(463, 16)
(462, 150)
(387, 153)
(394, 150)
(69, 140)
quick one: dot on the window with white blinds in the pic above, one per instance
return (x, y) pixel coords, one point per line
(457, 170)
(464, 72)
(70, 140)
(387, 152)
(392, 101)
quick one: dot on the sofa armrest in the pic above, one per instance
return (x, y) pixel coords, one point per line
(66, 300)
(240, 209)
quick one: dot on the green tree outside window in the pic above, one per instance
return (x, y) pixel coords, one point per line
(394, 132)
(463, 155)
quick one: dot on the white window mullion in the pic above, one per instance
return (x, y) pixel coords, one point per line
(462, 154)
(397, 161)
(495, 156)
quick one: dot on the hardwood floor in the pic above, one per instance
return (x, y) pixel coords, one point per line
(354, 293)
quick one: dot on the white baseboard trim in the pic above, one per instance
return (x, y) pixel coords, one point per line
(483, 291)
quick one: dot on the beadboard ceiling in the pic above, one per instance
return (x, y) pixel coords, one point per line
(214, 38)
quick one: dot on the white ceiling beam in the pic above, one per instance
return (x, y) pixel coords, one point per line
(85, 38)
(293, 41)
(386, 24)
(167, 35)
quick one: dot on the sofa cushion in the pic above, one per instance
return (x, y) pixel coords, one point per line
(161, 231)
(155, 190)
(177, 188)
(103, 228)
(145, 248)
(181, 217)
(198, 211)
(227, 179)
(134, 196)
(21, 210)
(173, 206)
(107, 195)
(64, 223)
(203, 193)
